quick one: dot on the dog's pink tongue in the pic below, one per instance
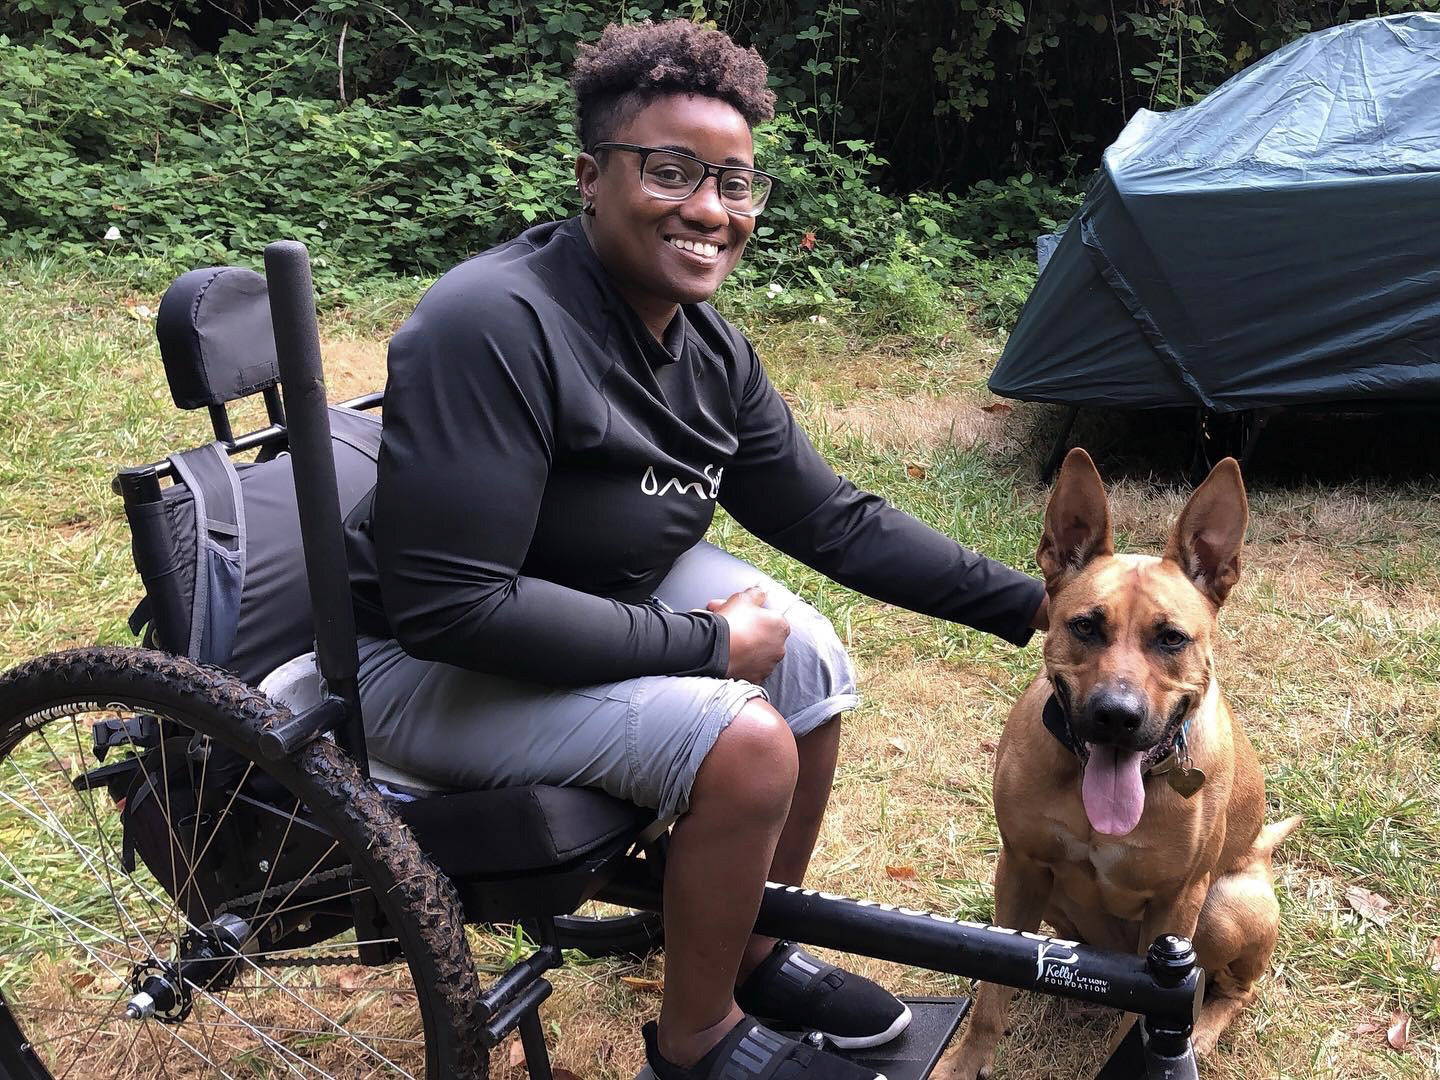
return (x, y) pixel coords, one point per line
(1113, 790)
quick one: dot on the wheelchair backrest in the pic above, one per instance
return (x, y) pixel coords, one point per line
(227, 552)
(215, 337)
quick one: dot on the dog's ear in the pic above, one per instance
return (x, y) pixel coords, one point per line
(1077, 521)
(1207, 539)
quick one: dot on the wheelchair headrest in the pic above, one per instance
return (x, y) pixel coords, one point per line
(215, 336)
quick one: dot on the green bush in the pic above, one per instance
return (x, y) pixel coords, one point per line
(952, 92)
(161, 162)
(995, 289)
(1009, 215)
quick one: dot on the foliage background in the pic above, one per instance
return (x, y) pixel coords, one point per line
(919, 140)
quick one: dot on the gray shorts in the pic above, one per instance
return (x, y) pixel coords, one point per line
(641, 740)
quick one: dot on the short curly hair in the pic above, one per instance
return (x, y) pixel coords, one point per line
(632, 65)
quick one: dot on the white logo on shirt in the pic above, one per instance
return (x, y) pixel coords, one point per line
(650, 483)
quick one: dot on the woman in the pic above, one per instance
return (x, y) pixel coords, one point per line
(562, 415)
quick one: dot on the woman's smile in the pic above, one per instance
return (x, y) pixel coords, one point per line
(706, 252)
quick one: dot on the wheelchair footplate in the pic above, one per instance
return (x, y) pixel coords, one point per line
(913, 1053)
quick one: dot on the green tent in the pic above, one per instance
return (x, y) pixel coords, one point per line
(1275, 244)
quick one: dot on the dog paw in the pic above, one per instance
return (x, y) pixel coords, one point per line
(966, 1062)
(1203, 1042)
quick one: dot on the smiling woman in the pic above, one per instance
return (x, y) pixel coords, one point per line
(664, 251)
(637, 102)
(563, 413)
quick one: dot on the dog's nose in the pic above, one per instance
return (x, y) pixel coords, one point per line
(1116, 713)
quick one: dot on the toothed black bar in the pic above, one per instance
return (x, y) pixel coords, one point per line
(938, 943)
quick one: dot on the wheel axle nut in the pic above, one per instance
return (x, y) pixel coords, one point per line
(140, 1007)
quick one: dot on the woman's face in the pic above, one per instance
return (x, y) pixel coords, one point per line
(634, 233)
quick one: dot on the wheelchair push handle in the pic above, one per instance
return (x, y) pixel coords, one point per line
(302, 385)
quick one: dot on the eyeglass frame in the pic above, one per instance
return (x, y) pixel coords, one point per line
(710, 170)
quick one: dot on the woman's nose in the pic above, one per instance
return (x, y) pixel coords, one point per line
(704, 205)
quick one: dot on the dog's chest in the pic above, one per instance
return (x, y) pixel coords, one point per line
(1099, 876)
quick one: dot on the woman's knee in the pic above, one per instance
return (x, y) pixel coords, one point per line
(753, 766)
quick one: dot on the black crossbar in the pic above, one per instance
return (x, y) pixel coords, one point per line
(1168, 998)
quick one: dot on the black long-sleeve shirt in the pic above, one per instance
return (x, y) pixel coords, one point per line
(545, 460)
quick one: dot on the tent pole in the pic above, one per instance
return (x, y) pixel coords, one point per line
(1057, 452)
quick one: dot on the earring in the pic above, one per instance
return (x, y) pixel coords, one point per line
(588, 208)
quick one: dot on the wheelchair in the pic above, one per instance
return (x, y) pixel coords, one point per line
(203, 874)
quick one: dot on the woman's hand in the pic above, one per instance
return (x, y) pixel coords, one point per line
(757, 636)
(1041, 619)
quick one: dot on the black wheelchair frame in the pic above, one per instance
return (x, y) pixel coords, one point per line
(1164, 986)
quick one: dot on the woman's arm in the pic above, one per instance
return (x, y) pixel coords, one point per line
(781, 489)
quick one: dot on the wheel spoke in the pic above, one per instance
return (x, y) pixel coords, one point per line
(89, 855)
(80, 936)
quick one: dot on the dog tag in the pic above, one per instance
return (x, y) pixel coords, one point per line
(1169, 763)
(1185, 781)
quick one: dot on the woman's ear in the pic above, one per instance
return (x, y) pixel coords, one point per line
(587, 175)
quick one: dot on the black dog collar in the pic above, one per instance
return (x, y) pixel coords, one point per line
(1057, 722)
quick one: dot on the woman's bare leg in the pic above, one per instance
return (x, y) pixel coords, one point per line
(719, 855)
(818, 750)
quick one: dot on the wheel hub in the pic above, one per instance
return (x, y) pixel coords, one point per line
(207, 958)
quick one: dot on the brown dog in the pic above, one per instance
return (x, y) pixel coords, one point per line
(1136, 810)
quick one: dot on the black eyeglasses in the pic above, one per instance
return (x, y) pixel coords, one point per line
(669, 174)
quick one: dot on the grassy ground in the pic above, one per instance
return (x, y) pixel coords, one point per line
(1331, 653)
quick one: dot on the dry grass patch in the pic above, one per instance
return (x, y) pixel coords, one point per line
(353, 366)
(962, 420)
(1330, 655)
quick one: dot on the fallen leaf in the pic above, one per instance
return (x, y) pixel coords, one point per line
(899, 744)
(807, 242)
(1398, 1033)
(997, 407)
(349, 980)
(1434, 956)
(915, 470)
(1370, 905)
(635, 982)
(1367, 1027)
(517, 1053)
(564, 1074)
(901, 873)
(989, 745)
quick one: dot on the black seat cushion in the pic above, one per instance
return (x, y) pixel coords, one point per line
(474, 834)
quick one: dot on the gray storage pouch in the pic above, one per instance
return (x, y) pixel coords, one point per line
(219, 551)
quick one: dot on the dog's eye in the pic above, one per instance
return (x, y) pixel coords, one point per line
(1082, 626)
(1173, 639)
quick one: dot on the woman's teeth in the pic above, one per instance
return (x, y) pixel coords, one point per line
(699, 248)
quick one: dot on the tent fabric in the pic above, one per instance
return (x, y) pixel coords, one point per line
(1277, 243)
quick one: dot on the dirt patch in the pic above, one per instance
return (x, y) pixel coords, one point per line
(922, 421)
(353, 366)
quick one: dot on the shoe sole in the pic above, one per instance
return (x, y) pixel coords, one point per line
(647, 1073)
(865, 1042)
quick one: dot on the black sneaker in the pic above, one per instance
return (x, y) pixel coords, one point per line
(750, 1051)
(796, 990)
